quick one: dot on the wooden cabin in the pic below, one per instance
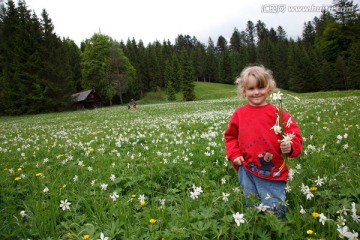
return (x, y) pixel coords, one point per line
(86, 100)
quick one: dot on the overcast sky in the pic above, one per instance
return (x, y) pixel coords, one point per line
(151, 20)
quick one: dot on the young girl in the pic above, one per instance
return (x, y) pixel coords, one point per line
(252, 145)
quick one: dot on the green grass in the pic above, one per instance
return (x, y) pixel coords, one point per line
(161, 151)
(203, 91)
(207, 91)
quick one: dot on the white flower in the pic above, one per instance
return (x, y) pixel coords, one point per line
(262, 207)
(46, 189)
(93, 182)
(239, 218)
(309, 195)
(76, 178)
(352, 235)
(302, 210)
(114, 196)
(341, 221)
(322, 218)
(112, 177)
(23, 213)
(162, 203)
(223, 181)
(225, 196)
(276, 128)
(276, 96)
(289, 122)
(102, 237)
(141, 198)
(194, 195)
(342, 231)
(288, 138)
(319, 181)
(196, 192)
(353, 207)
(346, 146)
(104, 186)
(65, 205)
(306, 191)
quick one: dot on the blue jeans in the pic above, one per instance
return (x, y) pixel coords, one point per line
(270, 192)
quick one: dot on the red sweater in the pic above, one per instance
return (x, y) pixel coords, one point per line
(249, 134)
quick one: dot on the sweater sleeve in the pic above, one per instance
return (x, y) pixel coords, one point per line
(231, 136)
(291, 127)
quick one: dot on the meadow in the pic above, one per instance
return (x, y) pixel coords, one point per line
(160, 172)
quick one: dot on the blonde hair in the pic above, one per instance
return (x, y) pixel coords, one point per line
(263, 76)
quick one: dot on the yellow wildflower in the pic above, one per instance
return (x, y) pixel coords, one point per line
(313, 189)
(315, 214)
(17, 178)
(309, 231)
(142, 204)
(152, 221)
(19, 169)
(350, 126)
(39, 174)
(86, 237)
(133, 196)
(91, 149)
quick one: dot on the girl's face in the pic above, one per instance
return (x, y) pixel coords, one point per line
(255, 95)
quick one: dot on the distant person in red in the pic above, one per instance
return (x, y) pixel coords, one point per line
(134, 103)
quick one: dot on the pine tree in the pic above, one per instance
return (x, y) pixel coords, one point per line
(170, 79)
(187, 76)
(250, 41)
(211, 62)
(353, 66)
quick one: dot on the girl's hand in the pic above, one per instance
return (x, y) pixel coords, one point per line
(285, 148)
(238, 161)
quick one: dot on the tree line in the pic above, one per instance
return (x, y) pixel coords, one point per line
(39, 71)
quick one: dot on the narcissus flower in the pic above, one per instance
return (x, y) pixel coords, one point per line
(65, 205)
(239, 218)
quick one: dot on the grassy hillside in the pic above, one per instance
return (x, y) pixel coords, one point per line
(203, 91)
(209, 91)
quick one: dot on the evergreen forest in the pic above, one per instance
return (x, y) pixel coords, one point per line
(39, 70)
